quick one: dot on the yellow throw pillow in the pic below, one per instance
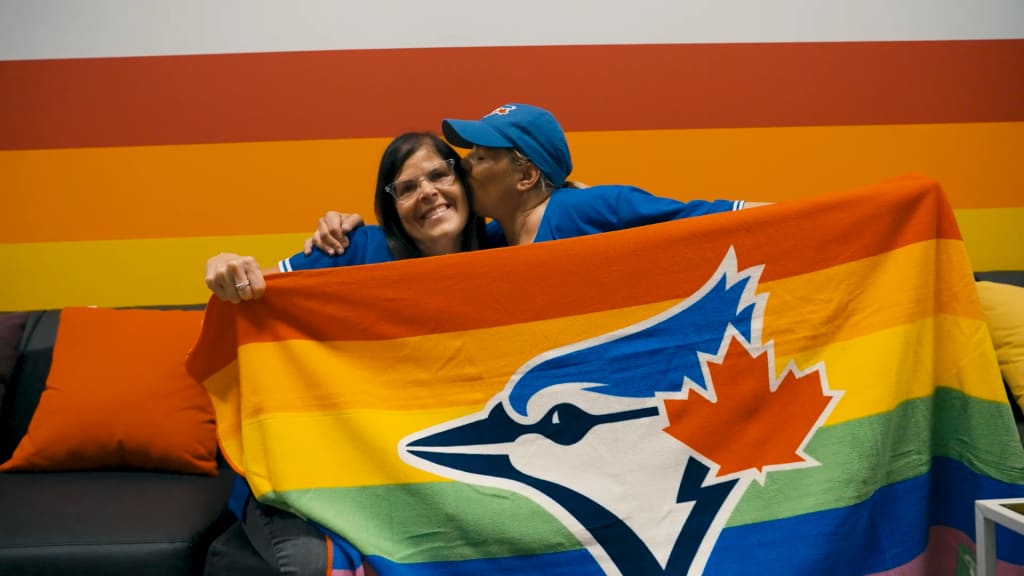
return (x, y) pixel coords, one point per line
(1003, 305)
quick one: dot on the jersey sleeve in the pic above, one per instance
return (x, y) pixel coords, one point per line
(636, 207)
(606, 208)
(367, 245)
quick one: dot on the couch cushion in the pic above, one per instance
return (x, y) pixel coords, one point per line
(107, 522)
(12, 327)
(1015, 277)
(232, 553)
(1003, 305)
(117, 396)
(28, 379)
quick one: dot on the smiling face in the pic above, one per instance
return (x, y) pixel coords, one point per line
(435, 213)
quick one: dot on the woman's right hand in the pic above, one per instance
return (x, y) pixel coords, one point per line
(331, 234)
(235, 278)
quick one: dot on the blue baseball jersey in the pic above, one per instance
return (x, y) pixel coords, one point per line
(367, 245)
(575, 212)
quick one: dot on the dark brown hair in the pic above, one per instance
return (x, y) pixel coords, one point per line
(397, 153)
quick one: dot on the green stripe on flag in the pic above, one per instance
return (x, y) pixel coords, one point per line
(861, 456)
(453, 521)
(415, 527)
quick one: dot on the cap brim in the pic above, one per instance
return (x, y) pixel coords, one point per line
(469, 133)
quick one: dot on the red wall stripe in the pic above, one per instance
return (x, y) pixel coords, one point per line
(372, 93)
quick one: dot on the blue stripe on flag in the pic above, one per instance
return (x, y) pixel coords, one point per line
(954, 491)
(884, 532)
(887, 530)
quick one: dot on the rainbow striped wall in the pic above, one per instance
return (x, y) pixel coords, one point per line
(136, 140)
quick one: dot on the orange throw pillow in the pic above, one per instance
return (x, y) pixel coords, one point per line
(118, 396)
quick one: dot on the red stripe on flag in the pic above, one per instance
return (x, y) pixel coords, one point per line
(586, 274)
(572, 277)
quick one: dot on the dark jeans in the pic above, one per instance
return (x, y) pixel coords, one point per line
(268, 540)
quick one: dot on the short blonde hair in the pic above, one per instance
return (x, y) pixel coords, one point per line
(520, 159)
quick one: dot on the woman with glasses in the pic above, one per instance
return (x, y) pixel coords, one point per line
(424, 209)
(422, 203)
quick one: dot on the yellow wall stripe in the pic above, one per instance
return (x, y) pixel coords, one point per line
(994, 236)
(125, 272)
(170, 270)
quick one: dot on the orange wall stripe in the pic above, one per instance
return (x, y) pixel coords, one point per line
(367, 93)
(276, 187)
(978, 165)
(184, 191)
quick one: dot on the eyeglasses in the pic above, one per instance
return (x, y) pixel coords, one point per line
(442, 174)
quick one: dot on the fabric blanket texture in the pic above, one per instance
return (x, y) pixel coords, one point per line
(803, 388)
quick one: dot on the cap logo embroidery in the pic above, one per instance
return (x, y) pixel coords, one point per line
(502, 110)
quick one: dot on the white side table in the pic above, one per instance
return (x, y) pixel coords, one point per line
(988, 513)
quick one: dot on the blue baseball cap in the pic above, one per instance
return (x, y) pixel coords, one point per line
(532, 131)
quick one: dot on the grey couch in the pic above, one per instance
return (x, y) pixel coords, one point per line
(106, 522)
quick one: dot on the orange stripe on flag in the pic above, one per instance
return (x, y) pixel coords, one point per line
(836, 221)
(846, 226)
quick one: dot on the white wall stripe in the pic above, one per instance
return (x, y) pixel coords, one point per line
(38, 29)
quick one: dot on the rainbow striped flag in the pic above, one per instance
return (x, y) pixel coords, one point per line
(804, 388)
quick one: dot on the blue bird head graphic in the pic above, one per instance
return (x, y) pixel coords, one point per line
(575, 425)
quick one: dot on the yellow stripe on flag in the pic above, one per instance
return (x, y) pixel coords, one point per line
(303, 449)
(909, 355)
(836, 304)
(225, 392)
(476, 364)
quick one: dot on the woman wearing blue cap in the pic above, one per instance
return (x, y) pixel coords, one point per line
(518, 165)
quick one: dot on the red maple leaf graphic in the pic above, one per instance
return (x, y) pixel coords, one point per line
(748, 425)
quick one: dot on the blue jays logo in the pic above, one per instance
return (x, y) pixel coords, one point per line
(581, 430)
(501, 110)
